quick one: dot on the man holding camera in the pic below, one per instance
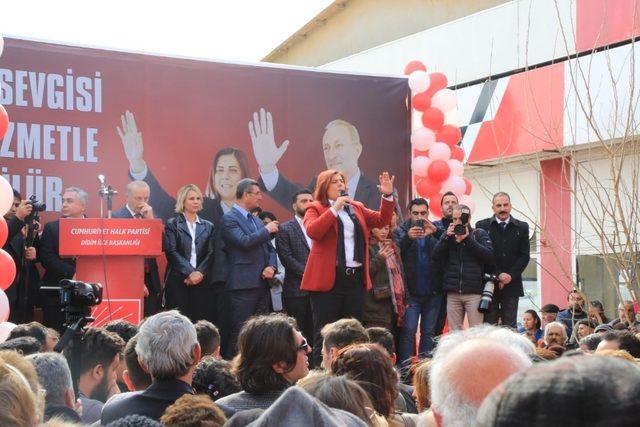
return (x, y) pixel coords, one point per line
(463, 253)
(23, 253)
(416, 241)
(74, 202)
(510, 239)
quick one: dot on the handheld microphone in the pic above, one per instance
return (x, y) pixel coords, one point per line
(346, 208)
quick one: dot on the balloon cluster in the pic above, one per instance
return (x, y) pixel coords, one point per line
(7, 265)
(438, 161)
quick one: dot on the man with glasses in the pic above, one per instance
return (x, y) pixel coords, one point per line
(252, 258)
(416, 241)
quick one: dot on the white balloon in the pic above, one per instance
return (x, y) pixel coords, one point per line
(453, 118)
(456, 166)
(445, 100)
(455, 184)
(6, 196)
(4, 306)
(5, 330)
(1, 44)
(440, 151)
(419, 81)
(420, 165)
(422, 139)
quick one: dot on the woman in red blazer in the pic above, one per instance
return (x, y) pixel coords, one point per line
(337, 270)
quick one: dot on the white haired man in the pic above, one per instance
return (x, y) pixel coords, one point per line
(169, 351)
(555, 333)
(467, 365)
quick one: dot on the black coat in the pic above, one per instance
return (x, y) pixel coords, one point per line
(192, 301)
(409, 254)
(464, 263)
(151, 274)
(293, 252)
(511, 251)
(56, 268)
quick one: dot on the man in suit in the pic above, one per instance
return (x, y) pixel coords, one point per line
(74, 203)
(293, 245)
(137, 206)
(342, 149)
(252, 257)
(510, 239)
(168, 349)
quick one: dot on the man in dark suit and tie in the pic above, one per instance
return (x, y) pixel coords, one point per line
(510, 239)
(293, 246)
(251, 255)
(74, 203)
(342, 149)
(137, 206)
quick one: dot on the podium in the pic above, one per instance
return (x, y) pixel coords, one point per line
(112, 252)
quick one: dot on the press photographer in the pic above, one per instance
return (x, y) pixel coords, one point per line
(463, 252)
(21, 245)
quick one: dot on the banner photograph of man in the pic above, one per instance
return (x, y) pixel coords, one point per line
(341, 147)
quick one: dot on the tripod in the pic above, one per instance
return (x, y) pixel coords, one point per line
(75, 324)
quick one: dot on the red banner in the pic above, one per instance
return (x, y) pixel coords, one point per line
(68, 124)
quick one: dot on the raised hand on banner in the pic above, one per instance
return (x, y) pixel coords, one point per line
(131, 142)
(265, 151)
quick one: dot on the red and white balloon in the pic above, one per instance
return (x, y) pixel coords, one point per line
(438, 160)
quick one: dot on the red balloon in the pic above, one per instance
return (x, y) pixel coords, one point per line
(414, 65)
(433, 119)
(4, 121)
(438, 171)
(421, 101)
(449, 134)
(457, 153)
(434, 206)
(468, 187)
(438, 81)
(4, 231)
(7, 270)
(426, 187)
(417, 153)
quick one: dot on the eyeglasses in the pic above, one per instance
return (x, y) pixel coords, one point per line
(304, 346)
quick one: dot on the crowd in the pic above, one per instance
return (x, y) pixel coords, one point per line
(377, 322)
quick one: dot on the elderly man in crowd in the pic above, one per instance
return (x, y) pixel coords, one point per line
(467, 366)
(555, 333)
(55, 377)
(168, 349)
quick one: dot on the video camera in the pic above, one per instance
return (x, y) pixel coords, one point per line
(37, 207)
(77, 298)
(491, 281)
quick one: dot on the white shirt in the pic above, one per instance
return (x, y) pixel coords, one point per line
(506, 222)
(349, 235)
(270, 181)
(309, 241)
(133, 214)
(193, 260)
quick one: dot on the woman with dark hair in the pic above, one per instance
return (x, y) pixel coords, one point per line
(272, 356)
(371, 367)
(188, 243)
(337, 270)
(531, 327)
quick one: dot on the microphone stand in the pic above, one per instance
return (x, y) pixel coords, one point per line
(107, 192)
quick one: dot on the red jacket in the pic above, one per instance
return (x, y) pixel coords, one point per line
(322, 227)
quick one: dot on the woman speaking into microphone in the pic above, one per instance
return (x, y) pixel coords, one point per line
(336, 274)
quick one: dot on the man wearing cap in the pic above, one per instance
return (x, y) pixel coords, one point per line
(548, 313)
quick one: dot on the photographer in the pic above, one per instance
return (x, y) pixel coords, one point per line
(463, 253)
(416, 239)
(74, 202)
(510, 239)
(22, 252)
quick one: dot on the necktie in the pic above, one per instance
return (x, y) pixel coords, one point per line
(253, 224)
(138, 216)
(503, 226)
